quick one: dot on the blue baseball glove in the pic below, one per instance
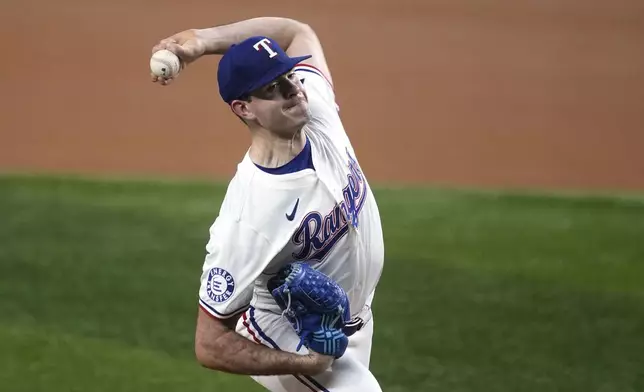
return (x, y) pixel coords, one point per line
(316, 306)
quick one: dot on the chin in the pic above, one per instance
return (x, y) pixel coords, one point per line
(302, 120)
(299, 116)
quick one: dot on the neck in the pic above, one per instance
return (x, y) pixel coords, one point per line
(271, 150)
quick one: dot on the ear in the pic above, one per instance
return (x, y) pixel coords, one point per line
(242, 110)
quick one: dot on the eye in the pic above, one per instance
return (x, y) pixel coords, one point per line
(291, 75)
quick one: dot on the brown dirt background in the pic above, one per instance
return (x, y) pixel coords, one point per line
(537, 93)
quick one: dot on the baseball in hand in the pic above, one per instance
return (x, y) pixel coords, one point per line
(165, 64)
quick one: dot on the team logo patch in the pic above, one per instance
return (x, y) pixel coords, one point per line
(220, 286)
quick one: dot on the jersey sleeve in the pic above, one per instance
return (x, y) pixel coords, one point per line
(236, 256)
(319, 91)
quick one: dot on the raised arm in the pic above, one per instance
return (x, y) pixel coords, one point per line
(295, 37)
(219, 347)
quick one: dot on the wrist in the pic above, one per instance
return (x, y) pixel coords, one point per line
(309, 365)
(211, 40)
(314, 363)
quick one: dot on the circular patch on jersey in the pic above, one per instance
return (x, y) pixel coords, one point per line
(220, 285)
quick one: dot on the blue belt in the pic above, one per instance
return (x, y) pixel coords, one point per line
(353, 326)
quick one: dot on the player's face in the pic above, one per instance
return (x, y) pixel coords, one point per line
(281, 106)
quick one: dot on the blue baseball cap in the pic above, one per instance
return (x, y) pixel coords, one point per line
(251, 64)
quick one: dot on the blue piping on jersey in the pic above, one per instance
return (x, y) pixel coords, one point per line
(275, 346)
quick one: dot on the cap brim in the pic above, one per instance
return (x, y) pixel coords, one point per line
(275, 72)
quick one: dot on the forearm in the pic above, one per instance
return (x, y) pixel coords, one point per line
(218, 39)
(232, 353)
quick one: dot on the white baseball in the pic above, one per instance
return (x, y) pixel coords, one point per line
(165, 63)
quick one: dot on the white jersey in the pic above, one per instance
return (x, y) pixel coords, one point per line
(326, 216)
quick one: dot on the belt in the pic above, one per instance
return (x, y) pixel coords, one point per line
(358, 322)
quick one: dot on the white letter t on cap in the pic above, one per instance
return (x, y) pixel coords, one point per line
(264, 44)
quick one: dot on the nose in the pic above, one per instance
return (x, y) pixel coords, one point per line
(291, 87)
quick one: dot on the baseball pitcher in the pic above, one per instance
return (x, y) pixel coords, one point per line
(296, 251)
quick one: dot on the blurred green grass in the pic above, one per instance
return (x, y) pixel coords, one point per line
(482, 291)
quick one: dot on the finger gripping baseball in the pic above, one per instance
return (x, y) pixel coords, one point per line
(315, 305)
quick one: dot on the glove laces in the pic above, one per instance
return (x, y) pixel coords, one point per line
(288, 305)
(337, 316)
